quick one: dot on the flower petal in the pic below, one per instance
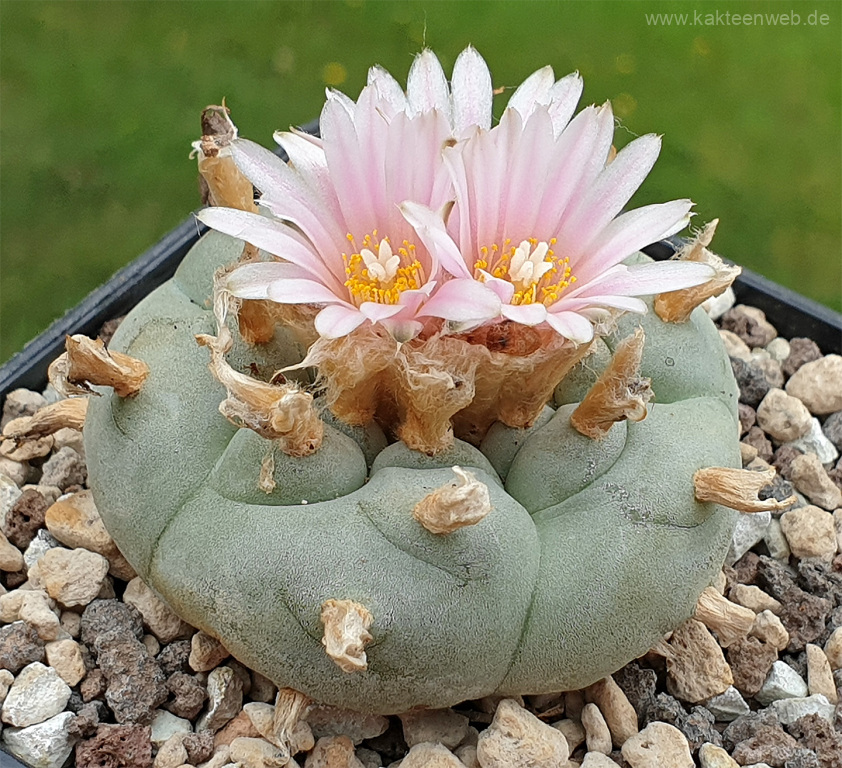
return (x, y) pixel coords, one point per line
(525, 314)
(472, 92)
(462, 301)
(649, 279)
(426, 85)
(337, 320)
(272, 236)
(571, 325)
(388, 89)
(376, 312)
(294, 291)
(532, 91)
(251, 281)
(431, 230)
(564, 96)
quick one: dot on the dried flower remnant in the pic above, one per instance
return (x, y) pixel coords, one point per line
(69, 413)
(676, 306)
(454, 505)
(618, 394)
(730, 621)
(346, 633)
(290, 708)
(87, 362)
(738, 489)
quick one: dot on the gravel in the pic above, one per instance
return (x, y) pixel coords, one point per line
(152, 686)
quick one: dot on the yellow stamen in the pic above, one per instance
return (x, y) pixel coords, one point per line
(378, 274)
(532, 266)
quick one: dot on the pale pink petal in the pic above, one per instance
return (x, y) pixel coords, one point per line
(472, 93)
(402, 330)
(347, 169)
(571, 325)
(503, 288)
(270, 235)
(534, 90)
(433, 235)
(426, 85)
(375, 312)
(613, 188)
(337, 320)
(525, 314)
(388, 89)
(347, 103)
(251, 281)
(648, 279)
(625, 303)
(294, 291)
(462, 301)
(628, 233)
(372, 132)
(564, 96)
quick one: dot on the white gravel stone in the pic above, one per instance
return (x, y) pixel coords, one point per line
(338, 752)
(783, 417)
(64, 468)
(778, 349)
(716, 306)
(783, 682)
(206, 652)
(657, 746)
(573, 732)
(619, 714)
(833, 649)
(37, 694)
(70, 576)
(171, 753)
(157, 616)
(35, 610)
(809, 477)
(818, 385)
(776, 542)
(810, 532)
(11, 558)
(442, 726)
(815, 441)
(467, 754)
(518, 739)
(9, 494)
(727, 706)
(6, 680)
(65, 657)
(597, 735)
(771, 368)
(21, 402)
(16, 471)
(789, 710)
(258, 753)
(711, 756)
(45, 745)
(770, 629)
(749, 530)
(735, 346)
(819, 674)
(597, 760)
(422, 756)
(38, 547)
(225, 699)
(165, 724)
(755, 598)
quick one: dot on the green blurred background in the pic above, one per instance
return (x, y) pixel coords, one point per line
(100, 101)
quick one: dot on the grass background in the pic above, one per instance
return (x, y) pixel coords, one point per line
(100, 101)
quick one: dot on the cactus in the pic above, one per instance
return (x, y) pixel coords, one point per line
(591, 551)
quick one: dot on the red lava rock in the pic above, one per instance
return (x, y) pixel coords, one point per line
(814, 732)
(136, 685)
(85, 723)
(25, 518)
(748, 418)
(639, 686)
(757, 437)
(698, 728)
(19, 646)
(801, 351)
(93, 686)
(749, 324)
(188, 695)
(803, 616)
(104, 616)
(782, 460)
(750, 660)
(769, 744)
(753, 384)
(745, 570)
(116, 746)
(173, 657)
(199, 746)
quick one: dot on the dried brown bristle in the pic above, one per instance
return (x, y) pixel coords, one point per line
(738, 489)
(69, 413)
(87, 362)
(454, 505)
(346, 633)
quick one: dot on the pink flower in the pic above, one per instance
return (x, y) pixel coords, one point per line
(536, 236)
(333, 216)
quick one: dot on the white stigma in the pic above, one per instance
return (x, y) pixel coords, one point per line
(384, 265)
(528, 266)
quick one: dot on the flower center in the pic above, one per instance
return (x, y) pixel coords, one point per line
(377, 273)
(538, 275)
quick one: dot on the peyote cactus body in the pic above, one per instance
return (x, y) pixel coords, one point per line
(592, 550)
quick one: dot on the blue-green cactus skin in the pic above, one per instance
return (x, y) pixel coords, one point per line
(592, 550)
